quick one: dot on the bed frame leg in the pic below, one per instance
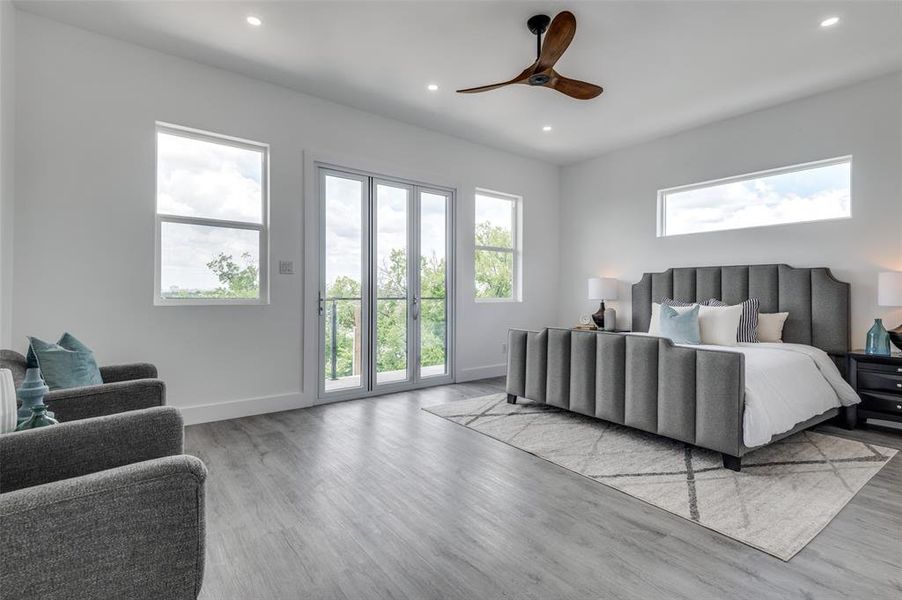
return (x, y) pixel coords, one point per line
(849, 417)
(511, 399)
(733, 463)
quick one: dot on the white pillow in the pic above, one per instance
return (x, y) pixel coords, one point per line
(714, 322)
(770, 326)
(718, 324)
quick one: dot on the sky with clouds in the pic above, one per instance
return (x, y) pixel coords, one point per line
(498, 212)
(343, 215)
(196, 178)
(821, 192)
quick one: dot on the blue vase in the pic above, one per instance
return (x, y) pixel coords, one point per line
(878, 339)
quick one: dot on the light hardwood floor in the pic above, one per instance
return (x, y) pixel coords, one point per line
(378, 499)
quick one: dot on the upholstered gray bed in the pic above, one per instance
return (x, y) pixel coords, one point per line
(694, 395)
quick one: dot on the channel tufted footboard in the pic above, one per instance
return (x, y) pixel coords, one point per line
(692, 395)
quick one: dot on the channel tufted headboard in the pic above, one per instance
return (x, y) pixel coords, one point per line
(818, 304)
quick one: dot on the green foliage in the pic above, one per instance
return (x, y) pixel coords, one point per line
(391, 317)
(494, 270)
(432, 311)
(345, 311)
(493, 235)
(237, 281)
(494, 277)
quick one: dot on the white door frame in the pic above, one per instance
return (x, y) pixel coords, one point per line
(317, 170)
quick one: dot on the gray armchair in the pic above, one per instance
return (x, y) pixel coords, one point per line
(102, 508)
(124, 388)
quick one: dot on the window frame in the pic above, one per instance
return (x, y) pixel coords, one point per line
(796, 168)
(262, 228)
(516, 244)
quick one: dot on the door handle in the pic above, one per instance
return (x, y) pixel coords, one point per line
(416, 307)
(322, 304)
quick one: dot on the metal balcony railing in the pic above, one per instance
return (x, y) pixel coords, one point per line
(331, 305)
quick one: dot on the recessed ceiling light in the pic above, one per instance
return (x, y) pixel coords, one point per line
(255, 21)
(432, 87)
(546, 128)
(830, 22)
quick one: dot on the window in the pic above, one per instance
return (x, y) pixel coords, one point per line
(815, 191)
(212, 217)
(497, 256)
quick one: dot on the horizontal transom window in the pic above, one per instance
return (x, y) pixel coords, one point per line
(814, 191)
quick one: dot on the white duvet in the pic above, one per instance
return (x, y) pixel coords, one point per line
(785, 384)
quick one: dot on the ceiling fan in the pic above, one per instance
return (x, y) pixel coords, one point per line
(541, 73)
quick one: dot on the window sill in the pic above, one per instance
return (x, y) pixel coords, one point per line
(498, 300)
(210, 302)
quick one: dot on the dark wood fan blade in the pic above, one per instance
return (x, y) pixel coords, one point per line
(485, 88)
(574, 88)
(559, 35)
(521, 78)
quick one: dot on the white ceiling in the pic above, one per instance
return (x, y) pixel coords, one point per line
(665, 66)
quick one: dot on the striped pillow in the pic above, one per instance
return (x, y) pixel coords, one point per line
(677, 303)
(748, 323)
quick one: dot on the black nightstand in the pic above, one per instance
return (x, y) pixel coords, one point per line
(878, 380)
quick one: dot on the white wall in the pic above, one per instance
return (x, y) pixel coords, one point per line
(84, 149)
(86, 108)
(609, 203)
(7, 135)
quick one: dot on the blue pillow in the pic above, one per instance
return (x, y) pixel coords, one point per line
(682, 328)
(66, 364)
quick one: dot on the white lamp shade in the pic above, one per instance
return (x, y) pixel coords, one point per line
(889, 288)
(602, 288)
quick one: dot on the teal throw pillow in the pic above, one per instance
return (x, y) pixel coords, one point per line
(682, 328)
(66, 364)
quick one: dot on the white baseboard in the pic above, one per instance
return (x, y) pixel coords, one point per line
(234, 409)
(483, 372)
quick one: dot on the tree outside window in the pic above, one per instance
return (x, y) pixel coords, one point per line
(496, 256)
(211, 218)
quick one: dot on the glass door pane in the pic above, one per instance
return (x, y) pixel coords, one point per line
(385, 285)
(391, 274)
(344, 285)
(433, 280)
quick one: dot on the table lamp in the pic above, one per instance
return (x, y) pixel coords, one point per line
(889, 293)
(603, 288)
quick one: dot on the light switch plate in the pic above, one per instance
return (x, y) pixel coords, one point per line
(286, 267)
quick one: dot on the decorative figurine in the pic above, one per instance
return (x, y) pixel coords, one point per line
(39, 418)
(31, 393)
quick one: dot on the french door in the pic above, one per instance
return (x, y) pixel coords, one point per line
(385, 310)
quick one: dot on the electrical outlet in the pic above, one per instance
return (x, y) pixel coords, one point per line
(286, 267)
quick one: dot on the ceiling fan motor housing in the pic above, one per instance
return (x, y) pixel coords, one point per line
(539, 79)
(538, 24)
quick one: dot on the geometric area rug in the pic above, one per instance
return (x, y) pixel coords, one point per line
(784, 496)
